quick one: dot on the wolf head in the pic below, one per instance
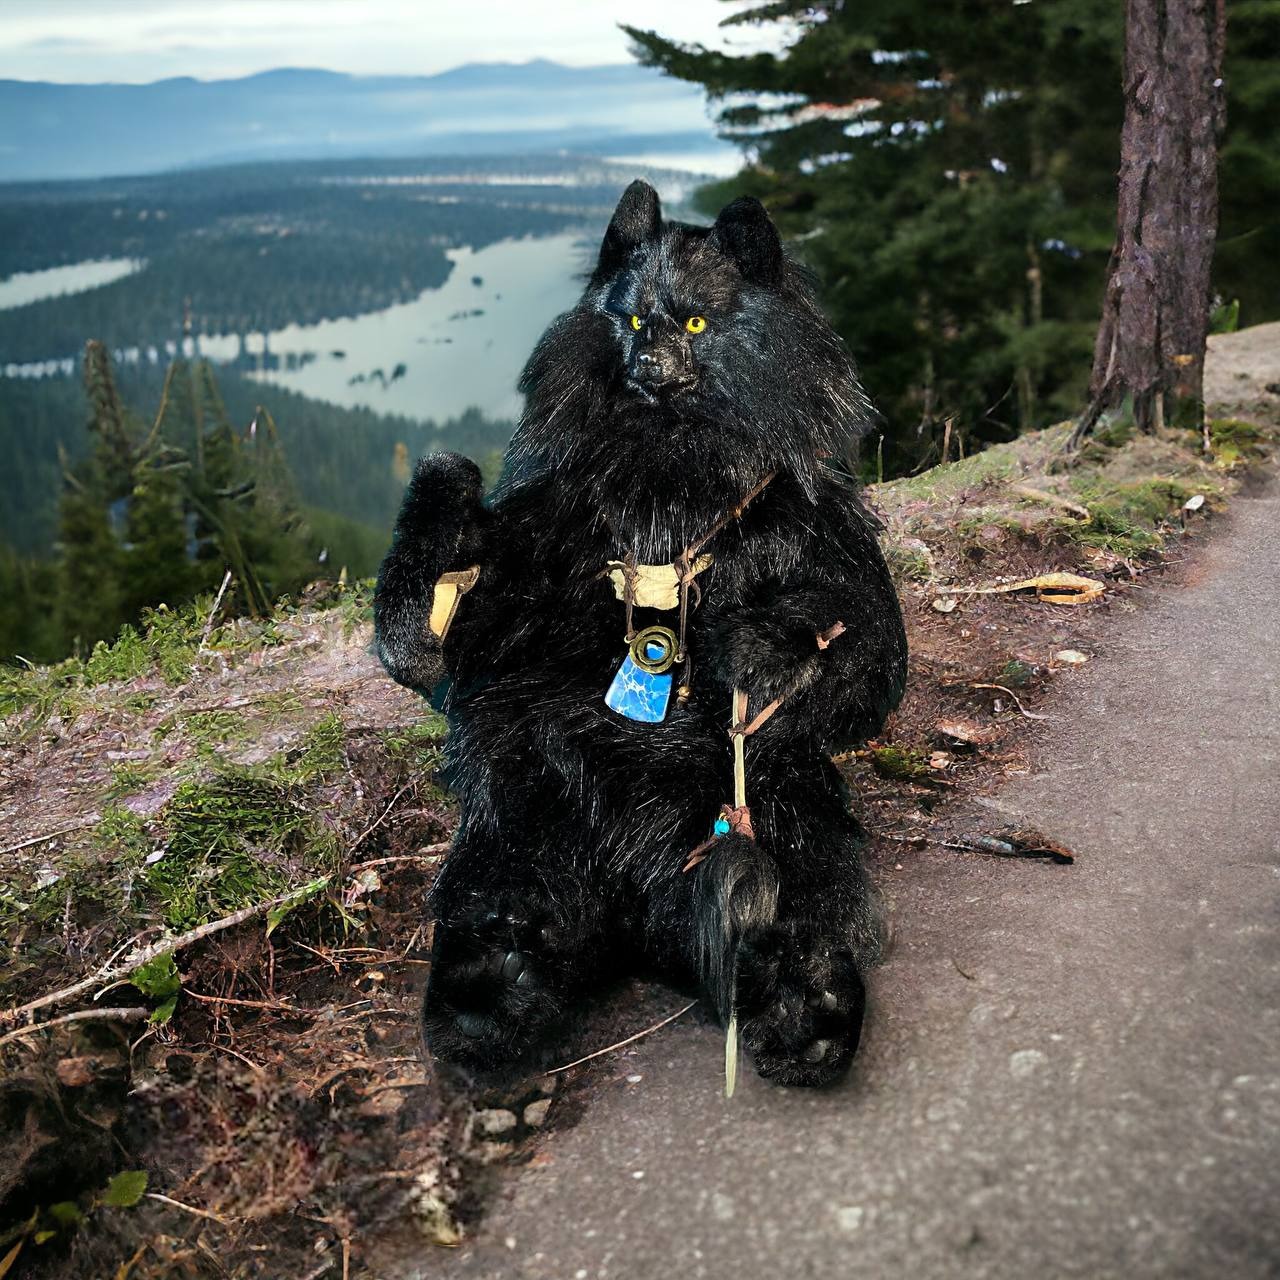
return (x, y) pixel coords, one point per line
(695, 362)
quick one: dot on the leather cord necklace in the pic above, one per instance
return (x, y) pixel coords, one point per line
(642, 685)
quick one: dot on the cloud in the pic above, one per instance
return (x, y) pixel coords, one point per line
(142, 40)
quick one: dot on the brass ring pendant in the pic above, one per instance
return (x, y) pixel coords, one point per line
(654, 649)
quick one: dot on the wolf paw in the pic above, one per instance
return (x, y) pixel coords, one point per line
(800, 1003)
(498, 976)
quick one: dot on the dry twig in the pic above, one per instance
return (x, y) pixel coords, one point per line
(133, 1013)
(1030, 715)
(92, 821)
(213, 613)
(639, 1035)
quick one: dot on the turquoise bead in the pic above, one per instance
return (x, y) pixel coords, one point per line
(722, 827)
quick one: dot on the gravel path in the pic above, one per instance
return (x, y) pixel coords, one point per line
(1069, 1071)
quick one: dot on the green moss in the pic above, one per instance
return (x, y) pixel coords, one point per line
(166, 643)
(96, 878)
(235, 839)
(1131, 518)
(123, 834)
(323, 750)
(210, 730)
(1116, 432)
(126, 659)
(1235, 441)
(159, 979)
(128, 776)
(900, 762)
(44, 691)
(974, 472)
(420, 743)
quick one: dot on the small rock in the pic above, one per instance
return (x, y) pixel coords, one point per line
(494, 1121)
(535, 1114)
(1026, 1062)
(849, 1217)
(1072, 657)
(493, 1152)
(944, 604)
(547, 1085)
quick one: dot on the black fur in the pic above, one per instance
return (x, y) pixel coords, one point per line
(576, 823)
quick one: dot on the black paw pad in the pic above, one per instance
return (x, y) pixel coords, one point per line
(800, 1005)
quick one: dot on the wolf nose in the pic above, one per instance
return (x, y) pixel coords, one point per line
(654, 368)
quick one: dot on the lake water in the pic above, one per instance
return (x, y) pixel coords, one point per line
(457, 346)
(460, 345)
(33, 286)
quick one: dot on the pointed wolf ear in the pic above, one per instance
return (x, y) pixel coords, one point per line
(637, 218)
(745, 232)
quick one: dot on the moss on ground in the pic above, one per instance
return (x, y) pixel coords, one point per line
(234, 839)
(900, 763)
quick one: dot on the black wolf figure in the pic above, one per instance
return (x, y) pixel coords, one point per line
(669, 531)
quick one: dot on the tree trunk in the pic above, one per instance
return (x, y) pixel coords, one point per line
(1155, 313)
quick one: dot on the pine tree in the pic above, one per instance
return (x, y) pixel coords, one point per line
(1151, 342)
(90, 601)
(157, 566)
(90, 593)
(949, 170)
(946, 170)
(240, 491)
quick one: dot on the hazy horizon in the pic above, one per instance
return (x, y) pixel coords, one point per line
(143, 41)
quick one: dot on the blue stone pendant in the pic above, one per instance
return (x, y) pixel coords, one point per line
(642, 688)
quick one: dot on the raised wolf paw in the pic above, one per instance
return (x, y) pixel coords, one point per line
(800, 1002)
(500, 974)
(441, 528)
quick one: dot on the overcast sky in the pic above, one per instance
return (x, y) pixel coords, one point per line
(141, 40)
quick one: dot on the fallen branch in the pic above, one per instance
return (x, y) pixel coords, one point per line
(639, 1035)
(1052, 499)
(1011, 844)
(427, 854)
(132, 1013)
(1056, 588)
(114, 972)
(136, 959)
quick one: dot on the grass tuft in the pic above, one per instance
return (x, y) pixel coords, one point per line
(234, 839)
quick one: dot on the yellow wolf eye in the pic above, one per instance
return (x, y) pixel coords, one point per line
(636, 323)
(695, 324)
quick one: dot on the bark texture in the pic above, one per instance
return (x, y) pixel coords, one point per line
(1155, 314)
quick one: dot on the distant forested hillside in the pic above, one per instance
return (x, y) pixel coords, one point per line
(343, 460)
(255, 248)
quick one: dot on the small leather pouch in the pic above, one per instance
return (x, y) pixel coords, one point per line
(449, 589)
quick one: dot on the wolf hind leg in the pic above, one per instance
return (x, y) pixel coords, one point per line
(517, 939)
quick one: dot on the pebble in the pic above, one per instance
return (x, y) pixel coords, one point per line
(1026, 1061)
(494, 1121)
(535, 1113)
(492, 1152)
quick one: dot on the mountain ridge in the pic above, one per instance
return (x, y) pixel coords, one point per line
(51, 130)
